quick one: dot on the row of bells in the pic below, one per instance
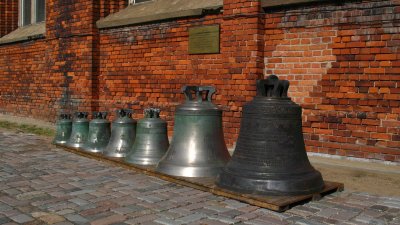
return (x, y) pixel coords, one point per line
(269, 158)
(143, 142)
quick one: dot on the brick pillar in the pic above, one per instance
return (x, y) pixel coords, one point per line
(242, 49)
(73, 52)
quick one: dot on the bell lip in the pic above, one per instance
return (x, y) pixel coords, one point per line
(93, 150)
(188, 171)
(138, 161)
(289, 182)
(114, 154)
(59, 142)
(75, 145)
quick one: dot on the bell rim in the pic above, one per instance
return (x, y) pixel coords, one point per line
(114, 155)
(188, 171)
(290, 183)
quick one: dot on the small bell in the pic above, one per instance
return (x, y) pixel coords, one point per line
(99, 133)
(80, 129)
(63, 129)
(151, 141)
(123, 132)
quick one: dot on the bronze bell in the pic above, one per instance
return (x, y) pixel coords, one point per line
(80, 129)
(151, 141)
(122, 134)
(270, 156)
(198, 148)
(99, 133)
(63, 129)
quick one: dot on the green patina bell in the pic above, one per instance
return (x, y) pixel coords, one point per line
(197, 148)
(99, 133)
(123, 132)
(63, 129)
(151, 141)
(80, 130)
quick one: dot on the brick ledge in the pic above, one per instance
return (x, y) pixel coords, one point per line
(26, 33)
(158, 10)
(276, 3)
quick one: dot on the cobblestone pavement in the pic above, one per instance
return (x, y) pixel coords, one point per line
(41, 184)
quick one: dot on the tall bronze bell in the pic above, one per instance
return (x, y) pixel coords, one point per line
(80, 129)
(270, 156)
(99, 133)
(63, 129)
(198, 148)
(122, 134)
(151, 141)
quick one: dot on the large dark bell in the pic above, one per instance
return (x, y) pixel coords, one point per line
(63, 129)
(99, 133)
(270, 156)
(151, 141)
(80, 129)
(123, 132)
(197, 148)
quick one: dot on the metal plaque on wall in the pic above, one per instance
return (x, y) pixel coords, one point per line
(204, 39)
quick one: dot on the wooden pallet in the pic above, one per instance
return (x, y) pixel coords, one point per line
(275, 203)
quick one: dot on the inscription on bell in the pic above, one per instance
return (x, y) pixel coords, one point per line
(204, 39)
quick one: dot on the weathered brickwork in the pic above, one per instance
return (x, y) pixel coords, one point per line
(25, 88)
(344, 67)
(8, 16)
(342, 61)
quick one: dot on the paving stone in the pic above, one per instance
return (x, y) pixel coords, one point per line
(246, 216)
(223, 219)
(109, 220)
(142, 219)
(76, 218)
(79, 201)
(167, 221)
(64, 223)
(4, 220)
(21, 218)
(191, 218)
(208, 222)
(58, 185)
(308, 222)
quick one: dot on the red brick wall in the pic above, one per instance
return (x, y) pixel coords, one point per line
(342, 61)
(41, 78)
(142, 66)
(25, 88)
(8, 16)
(344, 66)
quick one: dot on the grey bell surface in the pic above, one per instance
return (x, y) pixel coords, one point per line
(197, 148)
(123, 133)
(99, 133)
(80, 130)
(151, 141)
(63, 129)
(270, 156)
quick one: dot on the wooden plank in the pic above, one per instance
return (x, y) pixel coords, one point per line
(276, 203)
